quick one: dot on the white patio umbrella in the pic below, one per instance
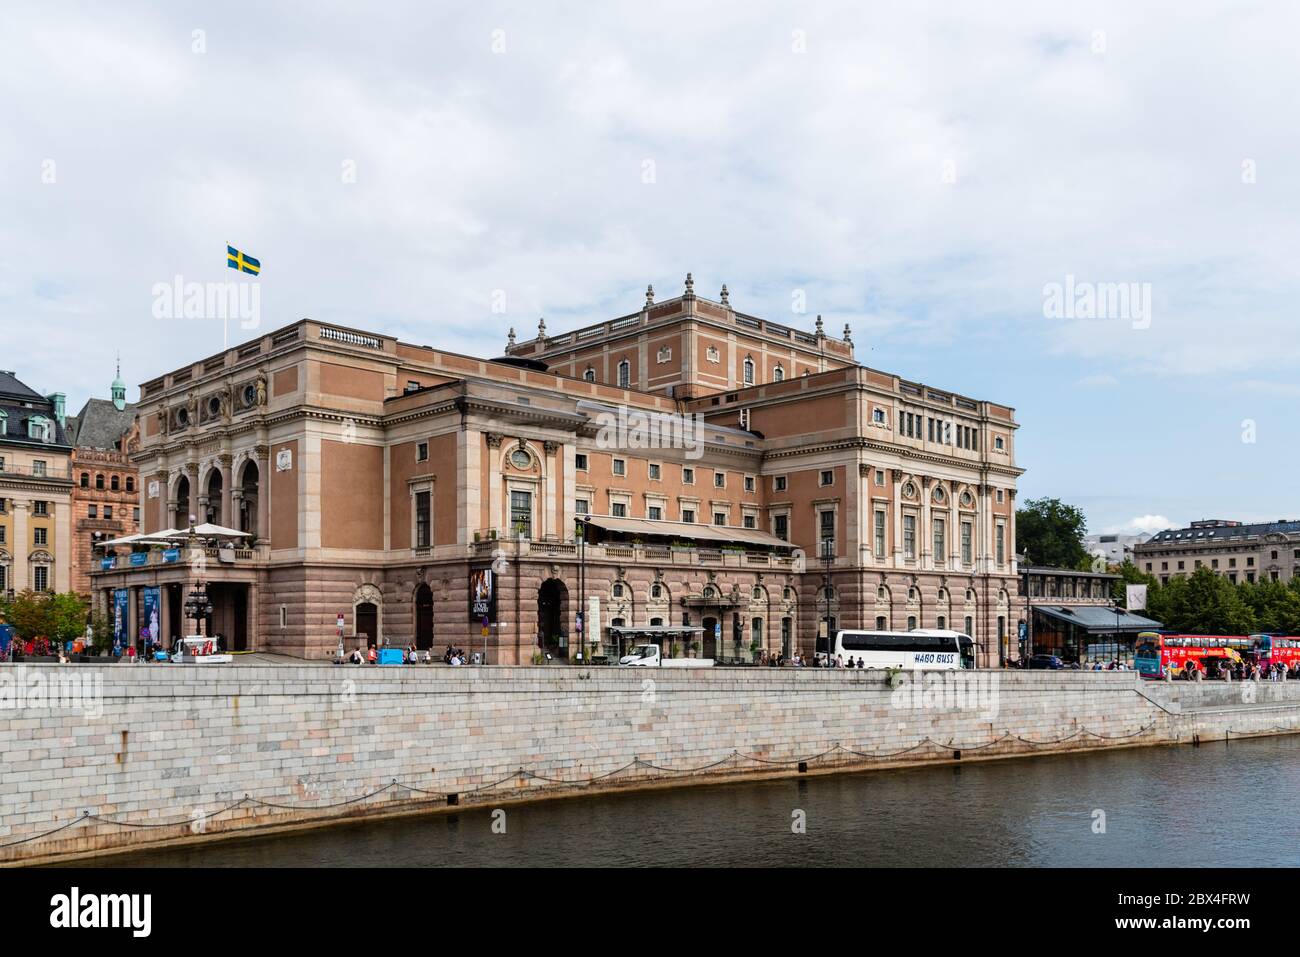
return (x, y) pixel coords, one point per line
(208, 530)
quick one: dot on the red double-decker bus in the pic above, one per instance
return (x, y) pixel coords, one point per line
(1268, 650)
(1186, 655)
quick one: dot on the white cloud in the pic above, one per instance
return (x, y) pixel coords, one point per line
(1142, 525)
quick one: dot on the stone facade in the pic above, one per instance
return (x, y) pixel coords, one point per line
(173, 746)
(1241, 552)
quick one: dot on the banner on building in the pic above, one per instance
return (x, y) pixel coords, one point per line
(152, 614)
(121, 619)
(482, 594)
(1137, 597)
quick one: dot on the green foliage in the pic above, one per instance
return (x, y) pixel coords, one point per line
(101, 633)
(42, 614)
(1204, 604)
(1276, 607)
(1051, 533)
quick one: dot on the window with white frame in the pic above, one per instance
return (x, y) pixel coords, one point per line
(423, 518)
(778, 483)
(581, 506)
(589, 374)
(967, 548)
(719, 479)
(878, 416)
(580, 461)
(749, 371)
(778, 374)
(940, 539)
(41, 578)
(827, 477)
(688, 476)
(909, 537)
(618, 509)
(879, 529)
(655, 470)
(749, 483)
(620, 467)
(655, 513)
(624, 374)
(781, 526)
(688, 516)
(422, 451)
(1000, 542)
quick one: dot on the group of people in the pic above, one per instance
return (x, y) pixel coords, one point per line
(410, 656)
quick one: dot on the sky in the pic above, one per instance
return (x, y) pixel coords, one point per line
(936, 176)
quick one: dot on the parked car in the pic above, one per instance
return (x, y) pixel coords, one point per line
(1047, 662)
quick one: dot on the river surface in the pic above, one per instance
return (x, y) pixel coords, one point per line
(1216, 805)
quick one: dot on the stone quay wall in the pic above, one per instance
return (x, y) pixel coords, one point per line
(174, 753)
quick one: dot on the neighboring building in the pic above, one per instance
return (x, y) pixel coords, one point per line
(1075, 618)
(105, 500)
(1244, 553)
(1113, 549)
(379, 478)
(35, 490)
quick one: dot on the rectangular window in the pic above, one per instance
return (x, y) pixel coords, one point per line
(412, 385)
(135, 514)
(654, 470)
(966, 546)
(719, 479)
(92, 511)
(749, 521)
(880, 533)
(656, 513)
(719, 518)
(827, 477)
(422, 500)
(778, 485)
(521, 513)
(688, 516)
(618, 509)
(1000, 542)
(939, 539)
(40, 508)
(41, 578)
(422, 451)
(38, 468)
(40, 536)
(781, 527)
(688, 476)
(581, 507)
(749, 483)
(620, 467)
(108, 511)
(580, 461)
(880, 478)
(826, 527)
(909, 537)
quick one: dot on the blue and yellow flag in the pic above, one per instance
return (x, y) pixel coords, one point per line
(237, 260)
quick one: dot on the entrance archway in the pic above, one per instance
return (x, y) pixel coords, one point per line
(552, 615)
(367, 618)
(423, 617)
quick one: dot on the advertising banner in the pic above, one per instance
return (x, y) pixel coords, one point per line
(482, 594)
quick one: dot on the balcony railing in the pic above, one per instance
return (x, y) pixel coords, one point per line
(728, 557)
(47, 471)
(156, 558)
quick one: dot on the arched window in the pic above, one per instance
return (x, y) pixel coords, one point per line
(778, 374)
(618, 590)
(656, 622)
(85, 480)
(911, 622)
(589, 375)
(624, 374)
(656, 591)
(130, 484)
(114, 483)
(749, 371)
(99, 482)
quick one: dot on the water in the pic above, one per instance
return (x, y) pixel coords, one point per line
(1221, 805)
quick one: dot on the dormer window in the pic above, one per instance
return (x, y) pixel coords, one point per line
(40, 428)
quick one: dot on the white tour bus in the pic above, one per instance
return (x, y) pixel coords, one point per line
(921, 648)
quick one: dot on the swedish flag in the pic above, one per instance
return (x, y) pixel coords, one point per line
(237, 260)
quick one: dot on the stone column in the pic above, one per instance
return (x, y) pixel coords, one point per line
(22, 547)
(925, 547)
(262, 455)
(133, 615)
(164, 506)
(896, 476)
(227, 491)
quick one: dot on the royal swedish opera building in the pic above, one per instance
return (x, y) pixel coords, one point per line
(687, 471)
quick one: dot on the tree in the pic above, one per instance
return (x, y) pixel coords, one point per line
(1276, 607)
(29, 613)
(1204, 604)
(1051, 534)
(67, 616)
